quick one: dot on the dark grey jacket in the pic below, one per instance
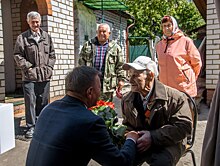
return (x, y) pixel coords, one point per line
(36, 59)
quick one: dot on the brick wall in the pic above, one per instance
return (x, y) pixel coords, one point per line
(16, 28)
(61, 28)
(2, 69)
(212, 49)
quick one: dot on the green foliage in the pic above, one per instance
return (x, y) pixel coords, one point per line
(148, 15)
(107, 112)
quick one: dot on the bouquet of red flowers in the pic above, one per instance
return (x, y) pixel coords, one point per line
(106, 110)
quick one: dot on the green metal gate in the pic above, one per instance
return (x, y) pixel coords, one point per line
(135, 51)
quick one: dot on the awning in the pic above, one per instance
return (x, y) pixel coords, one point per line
(104, 4)
(201, 6)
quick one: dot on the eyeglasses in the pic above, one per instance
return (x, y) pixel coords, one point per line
(167, 26)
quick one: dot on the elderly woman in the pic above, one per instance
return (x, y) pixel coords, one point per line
(178, 58)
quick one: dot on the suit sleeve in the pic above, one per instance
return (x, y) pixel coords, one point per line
(105, 152)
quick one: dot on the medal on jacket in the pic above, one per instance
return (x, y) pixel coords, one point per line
(147, 110)
(147, 115)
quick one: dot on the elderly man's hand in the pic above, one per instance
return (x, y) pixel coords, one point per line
(144, 141)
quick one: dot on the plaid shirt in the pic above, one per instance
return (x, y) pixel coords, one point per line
(99, 62)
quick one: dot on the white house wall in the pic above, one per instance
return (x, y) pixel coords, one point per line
(61, 29)
(212, 48)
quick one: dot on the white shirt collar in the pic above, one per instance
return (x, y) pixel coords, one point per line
(36, 33)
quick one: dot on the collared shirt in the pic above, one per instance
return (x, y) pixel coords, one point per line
(146, 99)
(36, 35)
(99, 62)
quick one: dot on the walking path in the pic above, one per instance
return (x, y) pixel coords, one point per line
(17, 155)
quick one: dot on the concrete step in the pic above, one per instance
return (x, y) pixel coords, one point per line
(19, 106)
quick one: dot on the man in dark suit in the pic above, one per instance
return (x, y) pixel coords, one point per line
(67, 133)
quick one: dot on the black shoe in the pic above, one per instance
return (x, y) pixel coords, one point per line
(29, 133)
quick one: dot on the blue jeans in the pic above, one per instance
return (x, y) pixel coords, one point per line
(36, 97)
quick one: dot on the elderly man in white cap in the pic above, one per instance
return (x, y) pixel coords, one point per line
(159, 113)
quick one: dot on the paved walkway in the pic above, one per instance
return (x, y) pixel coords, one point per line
(17, 155)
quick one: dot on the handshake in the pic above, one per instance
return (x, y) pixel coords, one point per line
(141, 138)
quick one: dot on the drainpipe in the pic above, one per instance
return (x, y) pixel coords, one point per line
(102, 11)
(127, 40)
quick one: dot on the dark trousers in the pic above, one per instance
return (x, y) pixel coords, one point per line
(36, 97)
(156, 157)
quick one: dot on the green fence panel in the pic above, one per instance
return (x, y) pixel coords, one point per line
(138, 50)
(197, 42)
(135, 51)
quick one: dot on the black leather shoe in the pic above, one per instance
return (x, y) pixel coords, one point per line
(29, 133)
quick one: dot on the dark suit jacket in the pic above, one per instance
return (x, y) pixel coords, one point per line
(210, 149)
(67, 133)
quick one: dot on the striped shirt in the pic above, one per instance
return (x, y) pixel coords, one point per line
(99, 62)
